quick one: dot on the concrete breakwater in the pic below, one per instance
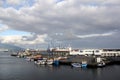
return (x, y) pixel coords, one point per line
(91, 60)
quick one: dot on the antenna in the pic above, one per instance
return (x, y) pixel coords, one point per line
(69, 45)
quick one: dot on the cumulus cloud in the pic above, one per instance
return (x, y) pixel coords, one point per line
(45, 16)
(69, 17)
(14, 2)
(23, 40)
(3, 28)
(1, 2)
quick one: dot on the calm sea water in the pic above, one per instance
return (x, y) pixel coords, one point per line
(12, 68)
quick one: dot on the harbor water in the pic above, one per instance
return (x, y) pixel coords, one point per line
(13, 68)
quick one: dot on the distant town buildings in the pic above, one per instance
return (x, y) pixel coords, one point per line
(69, 51)
(87, 52)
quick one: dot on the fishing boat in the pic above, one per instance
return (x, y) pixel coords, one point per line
(101, 64)
(56, 62)
(28, 58)
(84, 64)
(41, 62)
(14, 54)
(49, 62)
(75, 64)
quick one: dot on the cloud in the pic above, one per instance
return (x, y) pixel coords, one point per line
(51, 17)
(17, 4)
(1, 2)
(14, 2)
(96, 18)
(3, 28)
(96, 35)
(23, 40)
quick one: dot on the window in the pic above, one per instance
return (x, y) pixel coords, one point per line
(97, 51)
(81, 51)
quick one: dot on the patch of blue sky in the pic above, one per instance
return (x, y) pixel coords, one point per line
(31, 2)
(4, 4)
(57, 1)
(13, 32)
(92, 4)
(24, 3)
(1, 25)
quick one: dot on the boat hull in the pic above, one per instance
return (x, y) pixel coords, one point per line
(83, 65)
(76, 65)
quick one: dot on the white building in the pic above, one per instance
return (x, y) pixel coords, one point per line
(61, 51)
(98, 52)
(74, 52)
(110, 52)
(88, 52)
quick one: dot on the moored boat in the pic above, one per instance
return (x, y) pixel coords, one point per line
(49, 62)
(41, 62)
(56, 62)
(14, 54)
(75, 64)
(101, 64)
(84, 64)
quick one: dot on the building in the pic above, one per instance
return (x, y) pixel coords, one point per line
(60, 51)
(110, 52)
(97, 52)
(86, 52)
(74, 52)
(90, 52)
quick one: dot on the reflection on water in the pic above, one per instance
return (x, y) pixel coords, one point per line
(12, 68)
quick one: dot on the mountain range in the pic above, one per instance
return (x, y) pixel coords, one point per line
(10, 47)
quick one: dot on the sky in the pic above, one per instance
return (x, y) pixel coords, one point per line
(78, 23)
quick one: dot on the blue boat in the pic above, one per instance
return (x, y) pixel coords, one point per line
(84, 64)
(56, 62)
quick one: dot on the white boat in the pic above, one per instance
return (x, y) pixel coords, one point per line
(28, 58)
(41, 62)
(76, 65)
(49, 62)
(101, 64)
